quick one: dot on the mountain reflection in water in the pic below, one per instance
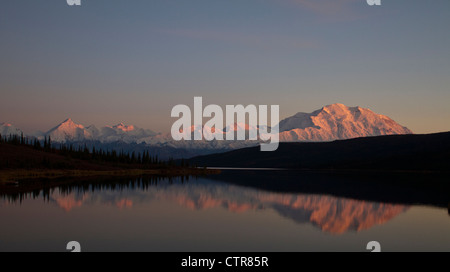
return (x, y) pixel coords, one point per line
(331, 214)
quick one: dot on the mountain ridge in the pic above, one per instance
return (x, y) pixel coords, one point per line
(331, 122)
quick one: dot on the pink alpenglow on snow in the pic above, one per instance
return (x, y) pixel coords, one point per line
(338, 122)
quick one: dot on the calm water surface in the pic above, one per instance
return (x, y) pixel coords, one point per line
(222, 213)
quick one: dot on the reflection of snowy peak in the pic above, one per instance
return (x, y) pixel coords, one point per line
(337, 122)
(330, 214)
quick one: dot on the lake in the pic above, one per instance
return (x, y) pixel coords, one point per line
(234, 211)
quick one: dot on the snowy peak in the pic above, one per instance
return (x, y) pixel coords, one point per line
(336, 108)
(70, 124)
(68, 130)
(8, 129)
(123, 127)
(332, 122)
(336, 122)
(71, 131)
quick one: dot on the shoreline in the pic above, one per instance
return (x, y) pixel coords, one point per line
(14, 175)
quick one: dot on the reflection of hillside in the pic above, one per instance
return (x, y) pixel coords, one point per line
(330, 214)
(71, 201)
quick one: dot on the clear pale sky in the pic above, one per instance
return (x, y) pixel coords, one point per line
(112, 61)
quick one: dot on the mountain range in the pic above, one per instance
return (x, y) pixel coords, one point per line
(332, 122)
(69, 131)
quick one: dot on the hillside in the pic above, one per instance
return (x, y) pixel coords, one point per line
(429, 152)
(26, 157)
(25, 162)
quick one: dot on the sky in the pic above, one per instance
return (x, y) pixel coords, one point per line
(112, 61)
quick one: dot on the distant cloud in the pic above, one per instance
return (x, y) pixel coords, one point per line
(265, 41)
(332, 9)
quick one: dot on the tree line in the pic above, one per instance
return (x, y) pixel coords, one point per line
(142, 159)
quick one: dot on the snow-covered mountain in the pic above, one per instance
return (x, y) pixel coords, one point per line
(338, 122)
(124, 133)
(71, 131)
(332, 122)
(8, 129)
